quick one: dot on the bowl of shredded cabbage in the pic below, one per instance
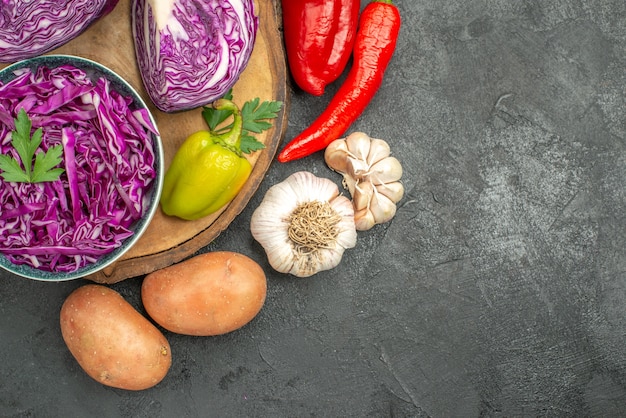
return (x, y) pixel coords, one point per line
(81, 167)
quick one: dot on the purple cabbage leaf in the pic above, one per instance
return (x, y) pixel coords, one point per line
(191, 52)
(32, 28)
(109, 161)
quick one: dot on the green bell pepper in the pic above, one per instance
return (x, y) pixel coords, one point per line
(207, 171)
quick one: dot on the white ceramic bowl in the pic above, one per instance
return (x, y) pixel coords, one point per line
(94, 70)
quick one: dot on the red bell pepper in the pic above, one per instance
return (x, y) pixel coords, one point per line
(319, 36)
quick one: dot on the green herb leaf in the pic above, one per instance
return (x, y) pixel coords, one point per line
(44, 165)
(249, 144)
(21, 140)
(255, 115)
(214, 118)
(229, 95)
(26, 147)
(12, 171)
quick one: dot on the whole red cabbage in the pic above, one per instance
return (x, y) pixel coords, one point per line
(191, 52)
(109, 162)
(31, 28)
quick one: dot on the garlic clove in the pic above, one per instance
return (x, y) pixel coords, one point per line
(281, 257)
(394, 190)
(349, 183)
(379, 149)
(269, 226)
(357, 168)
(343, 206)
(364, 220)
(386, 170)
(270, 230)
(312, 263)
(310, 187)
(347, 236)
(362, 196)
(382, 208)
(304, 266)
(358, 145)
(274, 209)
(336, 155)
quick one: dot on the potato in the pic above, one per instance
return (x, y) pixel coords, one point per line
(111, 341)
(209, 294)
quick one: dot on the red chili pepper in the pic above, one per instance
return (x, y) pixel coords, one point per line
(375, 44)
(319, 36)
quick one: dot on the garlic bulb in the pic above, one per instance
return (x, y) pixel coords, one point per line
(370, 174)
(304, 224)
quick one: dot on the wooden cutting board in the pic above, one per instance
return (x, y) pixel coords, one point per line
(169, 240)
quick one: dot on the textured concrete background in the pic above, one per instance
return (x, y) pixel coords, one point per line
(498, 290)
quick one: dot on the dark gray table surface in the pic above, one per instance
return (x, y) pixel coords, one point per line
(499, 289)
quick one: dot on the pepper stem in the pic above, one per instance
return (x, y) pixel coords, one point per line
(230, 139)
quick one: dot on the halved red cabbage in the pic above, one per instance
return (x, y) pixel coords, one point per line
(191, 52)
(109, 162)
(31, 28)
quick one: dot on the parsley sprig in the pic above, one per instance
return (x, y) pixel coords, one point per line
(26, 146)
(255, 114)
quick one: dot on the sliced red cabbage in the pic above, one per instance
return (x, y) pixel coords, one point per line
(109, 162)
(191, 52)
(34, 27)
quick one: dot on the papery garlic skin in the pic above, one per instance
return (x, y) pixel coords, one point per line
(371, 175)
(271, 224)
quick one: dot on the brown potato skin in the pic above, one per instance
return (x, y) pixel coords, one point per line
(111, 341)
(209, 294)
